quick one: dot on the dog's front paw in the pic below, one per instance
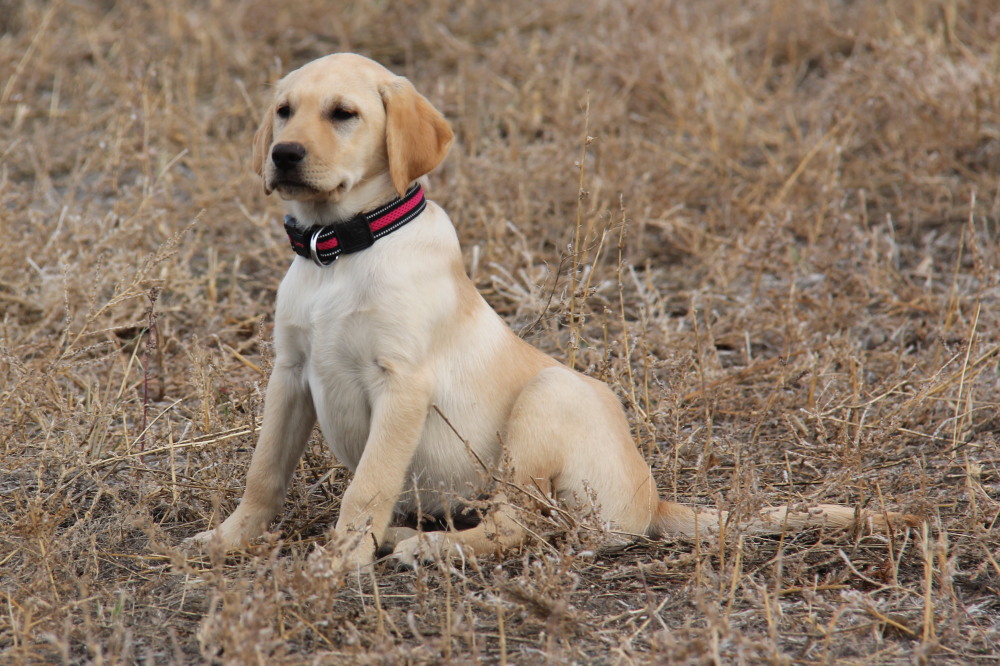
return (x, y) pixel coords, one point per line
(209, 539)
(360, 557)
(344, 553)
(235, 532)
(426, 548)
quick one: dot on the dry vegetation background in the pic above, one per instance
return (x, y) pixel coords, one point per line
(787, 270)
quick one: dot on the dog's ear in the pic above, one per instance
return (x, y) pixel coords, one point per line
(262, 142)
(417, 135)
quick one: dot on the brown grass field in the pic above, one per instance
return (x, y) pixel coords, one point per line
(787, 269)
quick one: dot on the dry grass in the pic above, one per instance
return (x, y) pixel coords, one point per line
(788, 269)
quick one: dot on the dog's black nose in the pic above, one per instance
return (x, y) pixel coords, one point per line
(286, 156)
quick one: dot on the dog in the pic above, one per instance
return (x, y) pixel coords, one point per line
(419, 387)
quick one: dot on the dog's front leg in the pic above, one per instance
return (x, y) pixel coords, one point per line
(399, 410)
(289, 416)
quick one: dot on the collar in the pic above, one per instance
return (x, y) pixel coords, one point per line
(324, 243)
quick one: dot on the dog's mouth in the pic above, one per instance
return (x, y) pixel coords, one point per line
(293, 188)
(291, 185)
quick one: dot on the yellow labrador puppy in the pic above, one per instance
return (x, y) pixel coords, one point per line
(420, 389)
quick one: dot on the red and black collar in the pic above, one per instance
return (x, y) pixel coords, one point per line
(324, 243)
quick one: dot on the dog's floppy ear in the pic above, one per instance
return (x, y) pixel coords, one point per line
(262, 142)
(417, 135)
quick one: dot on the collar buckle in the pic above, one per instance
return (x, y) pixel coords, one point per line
(355, 234)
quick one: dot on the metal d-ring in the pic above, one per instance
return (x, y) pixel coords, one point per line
(313, 252)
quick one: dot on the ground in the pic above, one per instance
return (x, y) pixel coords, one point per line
(771, 226)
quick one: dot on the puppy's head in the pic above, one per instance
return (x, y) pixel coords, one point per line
(344, 120)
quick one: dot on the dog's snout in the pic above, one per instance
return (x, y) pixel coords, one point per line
(286, 156)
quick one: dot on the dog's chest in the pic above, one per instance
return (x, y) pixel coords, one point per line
(335, 327)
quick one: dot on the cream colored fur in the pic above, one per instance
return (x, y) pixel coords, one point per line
(394, 351)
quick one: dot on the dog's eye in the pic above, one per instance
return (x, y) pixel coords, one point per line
(284, 111)
(341, 113)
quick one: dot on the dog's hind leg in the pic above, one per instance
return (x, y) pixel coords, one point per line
(566, 437)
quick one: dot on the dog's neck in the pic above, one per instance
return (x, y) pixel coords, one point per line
(324, 243)
(364, 196)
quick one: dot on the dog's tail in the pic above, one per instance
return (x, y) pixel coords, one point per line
(681, 520)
